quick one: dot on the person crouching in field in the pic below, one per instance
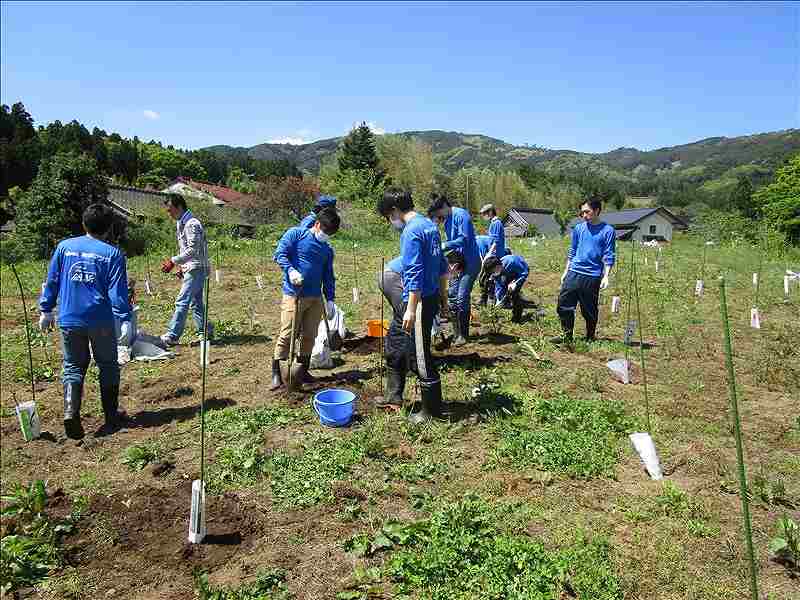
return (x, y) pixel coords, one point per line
(306, 259)
(509, 274)
(424, 279)
(89, 277)
(589, 260)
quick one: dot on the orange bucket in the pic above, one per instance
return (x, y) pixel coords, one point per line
(374, 328)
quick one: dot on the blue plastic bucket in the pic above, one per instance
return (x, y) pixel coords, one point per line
(335, 407)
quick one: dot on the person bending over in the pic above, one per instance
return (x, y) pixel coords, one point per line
(509, 274)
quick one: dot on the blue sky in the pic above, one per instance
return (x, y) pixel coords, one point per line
(589, 77)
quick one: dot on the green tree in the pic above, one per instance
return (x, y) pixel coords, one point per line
(357, 151)
(52, 208)
(741, 198)
(19, 148)
(779, 201)
(240, 181)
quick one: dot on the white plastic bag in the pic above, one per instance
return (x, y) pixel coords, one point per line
(646, 449)
(218, 275)
(321, 353)
(615, 304)
(29, 422)
(698, 287)
(260, 282)
(355, 295)
(630, 329)
(755, 279)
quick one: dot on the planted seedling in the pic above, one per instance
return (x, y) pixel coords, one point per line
(786, 545)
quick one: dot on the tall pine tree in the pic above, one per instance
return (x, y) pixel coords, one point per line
(357, 151)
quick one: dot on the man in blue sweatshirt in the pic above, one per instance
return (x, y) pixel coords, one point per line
(509, 274)
(323, 202)
(89, 277)
(589, 260)
(306, 259)
(497, 232)
(424, 277)
(460, 238)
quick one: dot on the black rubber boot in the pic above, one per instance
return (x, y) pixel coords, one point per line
(306, 362)
(458, 335)
(109, 398)
(73, 394)
(431, 393)
(395, 385)
(277, 379)
(591, 330)
(516, 309)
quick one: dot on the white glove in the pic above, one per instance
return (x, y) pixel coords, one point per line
(330, 310)
(512, 286)
(500, 302)
(604, 282)
(408, 319)
(443, 246)
(563, 277)
(125, 334)
(46, 321)
(295, 277)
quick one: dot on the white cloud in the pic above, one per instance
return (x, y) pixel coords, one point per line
(151, 114)
(295, 141)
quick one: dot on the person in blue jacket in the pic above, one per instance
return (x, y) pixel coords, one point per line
(460, 238)
(89, 279)
(590, 258)
(424, 277)
(306, 259)
(323, 202)
(497, 232)
(509, 274)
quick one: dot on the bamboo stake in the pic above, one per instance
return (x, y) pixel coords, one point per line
(203, 390)
(641, 346)
(27, 330)
(380, 367)
(748, 533)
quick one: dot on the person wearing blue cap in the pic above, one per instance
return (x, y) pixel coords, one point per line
(88, 276)
(322, 202)
(461, 238)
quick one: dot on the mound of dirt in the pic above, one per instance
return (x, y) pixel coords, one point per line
(142, 537)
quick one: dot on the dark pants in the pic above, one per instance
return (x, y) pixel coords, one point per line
(76, 341)
(404, 351)
(486, 285)
(583, 290)
(459, 293)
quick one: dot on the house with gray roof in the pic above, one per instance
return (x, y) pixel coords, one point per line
(531, 221)
(641, 224)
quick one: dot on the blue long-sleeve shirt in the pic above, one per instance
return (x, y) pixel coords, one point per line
(298, 249)
(423, 260)
(592, 247)
(483, 242)
(308, 221)
(90, 277)
(498, 234)
(514, 269)
(461, 237)
(395, 265)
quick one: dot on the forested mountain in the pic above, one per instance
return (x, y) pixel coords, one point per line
(713, 164)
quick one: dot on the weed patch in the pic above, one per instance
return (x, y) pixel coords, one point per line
(578, 437)
(269, 585)
(466, 550)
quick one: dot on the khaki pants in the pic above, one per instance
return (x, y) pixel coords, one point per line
(308, 318)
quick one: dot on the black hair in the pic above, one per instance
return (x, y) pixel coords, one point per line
(395, 197)
(175, 200)
(455, 258)
(491, 263)
(594, 202)
(97, 219)
(317, 208)
(329, 220)
(438, 201)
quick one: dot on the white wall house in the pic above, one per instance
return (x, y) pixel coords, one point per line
(641, 224)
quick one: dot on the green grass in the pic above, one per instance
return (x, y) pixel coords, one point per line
(580, 438)
(474, 549)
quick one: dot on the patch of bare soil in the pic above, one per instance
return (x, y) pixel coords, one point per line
(141, 537)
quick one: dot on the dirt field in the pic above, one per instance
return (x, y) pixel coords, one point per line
(297, 500)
